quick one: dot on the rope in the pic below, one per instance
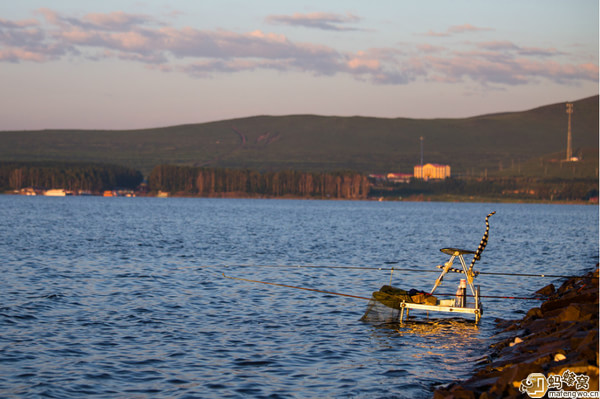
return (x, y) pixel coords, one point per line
(298, 288)
(499, 297)
(390, 269)
(362, 297)
(534, 275)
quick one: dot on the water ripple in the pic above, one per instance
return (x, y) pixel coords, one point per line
(125, 297)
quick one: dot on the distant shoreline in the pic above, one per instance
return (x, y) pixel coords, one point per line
(416, 198)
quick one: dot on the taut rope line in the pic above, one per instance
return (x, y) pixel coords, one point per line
(295, 287)
(362, 297)
(385, 269)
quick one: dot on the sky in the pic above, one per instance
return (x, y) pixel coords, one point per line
(120, 64)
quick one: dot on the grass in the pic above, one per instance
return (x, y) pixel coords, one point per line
(316, 143)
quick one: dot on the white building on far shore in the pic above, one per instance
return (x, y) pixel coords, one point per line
(432, 171)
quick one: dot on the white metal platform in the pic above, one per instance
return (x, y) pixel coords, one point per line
(474, 309)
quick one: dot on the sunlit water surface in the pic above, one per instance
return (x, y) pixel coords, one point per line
(122, 297)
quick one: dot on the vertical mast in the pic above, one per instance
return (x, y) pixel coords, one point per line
(422, 174)
(569, 147)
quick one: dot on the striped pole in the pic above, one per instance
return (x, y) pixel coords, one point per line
(482, 244)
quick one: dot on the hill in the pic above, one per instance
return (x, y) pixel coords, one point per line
(494, 142)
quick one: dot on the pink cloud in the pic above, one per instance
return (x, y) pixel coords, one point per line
(457, 29)
(17, 54)
(134, 41)
(428, 48)
(77, 36)
(510, 46)
(498, 45)
(362, 61)
(542, 52)
(318, 20)
(4, 23)
(115, 20)
(436, 34)
(50, 16)
(508, 72)
(467, 28)
(201, 53)
(556, 71)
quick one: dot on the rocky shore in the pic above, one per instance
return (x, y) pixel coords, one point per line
(558, 338)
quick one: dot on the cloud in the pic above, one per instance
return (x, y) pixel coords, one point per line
(317, 20)
(467, 28)
(26, 40)
(202, 53)
(539, 52)
(16, 55)
(431, 33)
(457, 29)
(456, 69)
(498, 45)
(118, 21)
(428, 48)
(507, 46)
(205, 69)
(487, 70)
(4, 23)
(113, 21)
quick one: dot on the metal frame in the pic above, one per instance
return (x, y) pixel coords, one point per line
(475, 309)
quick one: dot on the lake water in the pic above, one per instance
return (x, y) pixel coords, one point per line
(125, 297)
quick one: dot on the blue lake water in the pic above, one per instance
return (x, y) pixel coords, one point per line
(125, 297)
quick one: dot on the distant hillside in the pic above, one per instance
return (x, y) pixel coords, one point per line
(319, 143)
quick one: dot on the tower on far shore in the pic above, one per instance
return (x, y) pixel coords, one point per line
(421, 138)
(569, 146)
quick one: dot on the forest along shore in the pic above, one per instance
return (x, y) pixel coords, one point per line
(560, 338)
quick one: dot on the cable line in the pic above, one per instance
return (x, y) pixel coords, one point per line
(362, 297)
(298, 288)
(393, 269)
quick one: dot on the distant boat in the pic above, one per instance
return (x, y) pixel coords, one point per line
(57, 193)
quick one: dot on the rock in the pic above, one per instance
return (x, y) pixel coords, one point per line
(559, 356)
(574, 312)
(534, 314)
(565, 301)
(560, 335)
(455, 393)
(516, 341)
(547, 290)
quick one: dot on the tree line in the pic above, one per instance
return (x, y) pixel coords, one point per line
(218, 182)
(510, 188)
(67, 175)
(208, 182)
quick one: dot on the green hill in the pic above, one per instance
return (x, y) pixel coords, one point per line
(496, 143)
